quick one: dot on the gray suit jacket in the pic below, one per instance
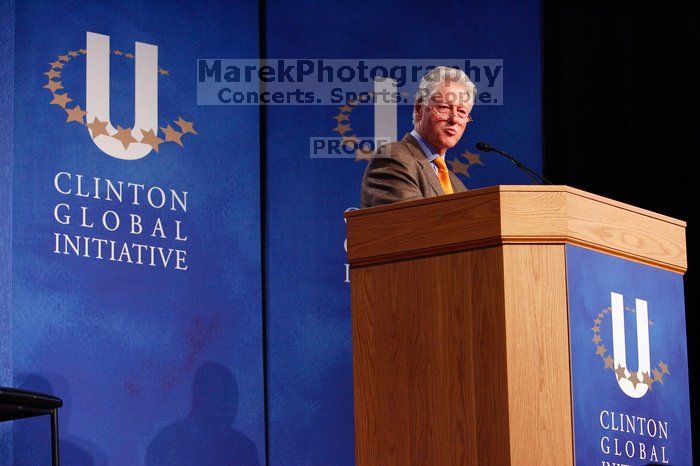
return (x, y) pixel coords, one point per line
(400, 171)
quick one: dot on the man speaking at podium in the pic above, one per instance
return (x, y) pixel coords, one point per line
(414, 168)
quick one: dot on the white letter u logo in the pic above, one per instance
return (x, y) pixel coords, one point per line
(633, 387)
(145, 102)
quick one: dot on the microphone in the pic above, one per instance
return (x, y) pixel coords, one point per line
(484, 147)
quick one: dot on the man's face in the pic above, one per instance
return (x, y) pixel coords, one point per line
(444, 131)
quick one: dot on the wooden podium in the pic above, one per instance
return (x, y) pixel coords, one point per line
(460, 325)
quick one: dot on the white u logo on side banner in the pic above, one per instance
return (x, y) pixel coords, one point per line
(145, 101)
(619, 350)
(386, 113)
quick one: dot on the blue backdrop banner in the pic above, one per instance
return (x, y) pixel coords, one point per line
(629, 366)
(7, 44)
(307, 191)
(136, 219)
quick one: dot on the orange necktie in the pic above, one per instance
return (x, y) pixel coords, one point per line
(443, 175)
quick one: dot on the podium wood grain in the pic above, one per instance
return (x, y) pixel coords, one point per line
(428, 375)
(511, 215)
(445, 370)
(536, 338)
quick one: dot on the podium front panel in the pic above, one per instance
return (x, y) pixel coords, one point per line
(629, 365)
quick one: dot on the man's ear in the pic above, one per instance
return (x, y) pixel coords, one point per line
(418, 110)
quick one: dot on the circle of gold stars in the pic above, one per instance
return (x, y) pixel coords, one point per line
(463, 162)
(344, 129)
(99, 128)
(459, 165)
(620, 371)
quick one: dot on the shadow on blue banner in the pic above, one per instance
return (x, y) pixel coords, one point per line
(207, 433)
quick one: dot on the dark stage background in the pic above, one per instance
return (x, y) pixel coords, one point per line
(620, 118)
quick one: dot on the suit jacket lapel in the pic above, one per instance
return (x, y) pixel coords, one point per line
(428, 170)
(457, 185)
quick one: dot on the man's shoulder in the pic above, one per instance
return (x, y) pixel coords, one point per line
(398, 150)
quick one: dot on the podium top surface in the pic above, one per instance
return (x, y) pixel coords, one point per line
(515, 215)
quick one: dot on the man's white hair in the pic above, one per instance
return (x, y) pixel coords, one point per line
(434, 78)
